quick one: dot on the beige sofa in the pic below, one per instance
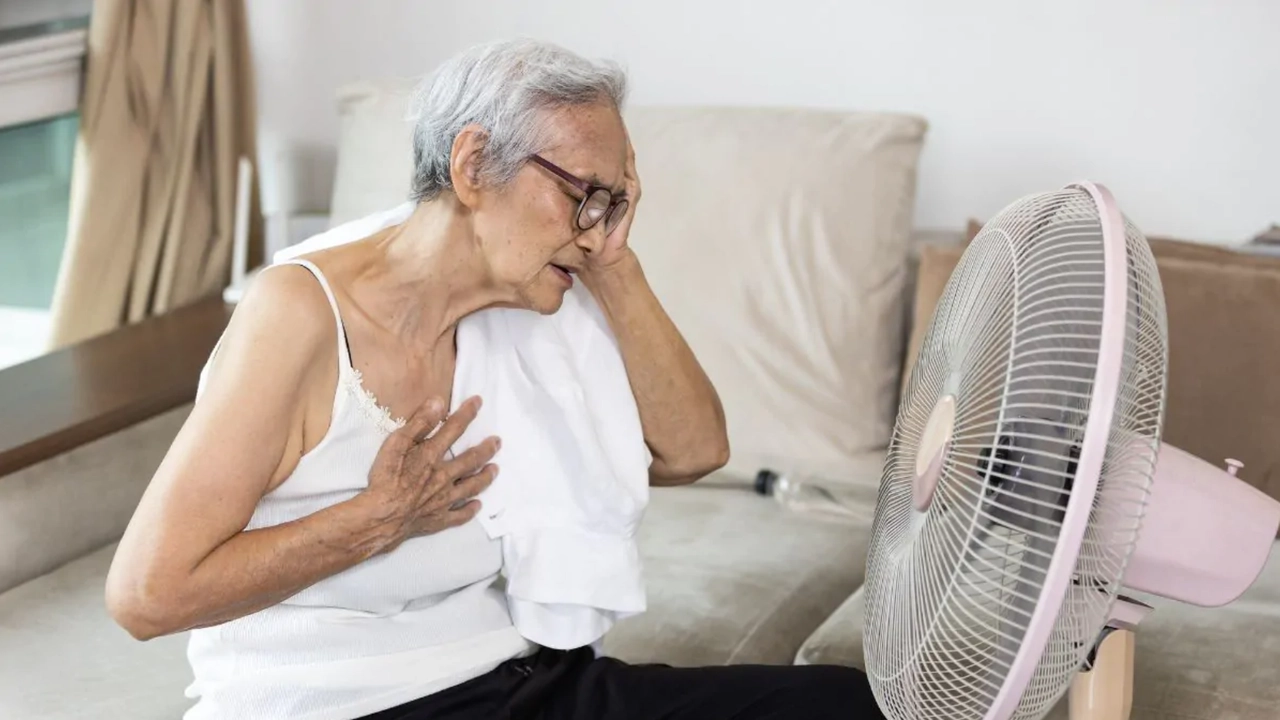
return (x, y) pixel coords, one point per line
(780, 242)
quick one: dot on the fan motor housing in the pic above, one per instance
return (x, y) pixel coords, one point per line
(932, 451)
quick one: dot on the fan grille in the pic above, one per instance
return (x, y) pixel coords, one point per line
(1015, 341)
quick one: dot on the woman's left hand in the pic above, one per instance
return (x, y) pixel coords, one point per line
(683, 421)
(614, 250)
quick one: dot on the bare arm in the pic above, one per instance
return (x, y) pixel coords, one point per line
(683, 419)
(186, 561)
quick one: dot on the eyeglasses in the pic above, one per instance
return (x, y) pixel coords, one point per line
(598, 202)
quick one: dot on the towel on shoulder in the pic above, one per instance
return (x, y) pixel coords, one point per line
(574, 482)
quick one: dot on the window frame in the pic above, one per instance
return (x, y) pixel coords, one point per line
(41, 75)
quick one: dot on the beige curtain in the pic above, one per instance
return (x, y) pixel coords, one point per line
(166, 113)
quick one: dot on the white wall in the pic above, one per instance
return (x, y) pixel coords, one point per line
(1175, 104)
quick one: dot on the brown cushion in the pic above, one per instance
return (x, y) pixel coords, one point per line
(1224, 383)
(932, 272)
(1163, 247)
(1223, 396)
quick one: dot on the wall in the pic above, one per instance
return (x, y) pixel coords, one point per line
(1173, 103)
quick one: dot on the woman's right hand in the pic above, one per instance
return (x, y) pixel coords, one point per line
(413, 484)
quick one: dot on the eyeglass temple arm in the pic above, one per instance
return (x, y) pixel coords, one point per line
(578, 183)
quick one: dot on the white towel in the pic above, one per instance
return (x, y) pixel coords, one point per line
(573, 481)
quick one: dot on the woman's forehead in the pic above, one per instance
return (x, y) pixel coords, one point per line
(589, 140)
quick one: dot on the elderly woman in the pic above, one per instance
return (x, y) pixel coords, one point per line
(327, 559)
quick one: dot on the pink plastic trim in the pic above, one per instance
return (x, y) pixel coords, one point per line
(1106, 383)
(1206, 534)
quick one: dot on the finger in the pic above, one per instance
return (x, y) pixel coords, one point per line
(420, 424)
(453, 427)
(632, 178)
(463, 514)
(424, 420)
(464, 490)
(472, 460)
(470, 486)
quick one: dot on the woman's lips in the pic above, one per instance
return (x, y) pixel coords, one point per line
(564, 274)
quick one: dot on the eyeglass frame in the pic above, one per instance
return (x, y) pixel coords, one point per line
(587, 189)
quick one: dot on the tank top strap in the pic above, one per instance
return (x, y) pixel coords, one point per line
(344, 345)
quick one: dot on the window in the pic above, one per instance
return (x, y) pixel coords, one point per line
(40, 75)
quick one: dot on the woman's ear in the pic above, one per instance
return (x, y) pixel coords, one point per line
(465, 162)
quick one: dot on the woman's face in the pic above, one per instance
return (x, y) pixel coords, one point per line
(528, 229)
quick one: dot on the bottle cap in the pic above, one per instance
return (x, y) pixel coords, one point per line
(765, 480)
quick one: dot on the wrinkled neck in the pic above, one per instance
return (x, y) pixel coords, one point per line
(431, 273)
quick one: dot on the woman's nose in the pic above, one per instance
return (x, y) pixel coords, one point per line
(592, 239)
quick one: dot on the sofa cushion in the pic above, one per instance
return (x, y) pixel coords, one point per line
(1223, 392)
(777, 239)
(732, 577)
(61, 656)
(1191, 663)
(735, 578)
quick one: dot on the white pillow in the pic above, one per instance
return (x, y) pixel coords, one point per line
(375, 150)
(777, 239)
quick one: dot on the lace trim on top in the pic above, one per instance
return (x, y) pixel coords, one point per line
(376, 412)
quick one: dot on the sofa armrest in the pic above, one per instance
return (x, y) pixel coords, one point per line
(90, 389)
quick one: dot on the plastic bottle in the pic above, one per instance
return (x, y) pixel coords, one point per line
(803, 496)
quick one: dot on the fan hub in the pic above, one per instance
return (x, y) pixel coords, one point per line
(935, 441)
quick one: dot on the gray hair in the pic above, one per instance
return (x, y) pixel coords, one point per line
(506, 88)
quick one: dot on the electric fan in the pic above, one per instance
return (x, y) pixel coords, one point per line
(1026, 487)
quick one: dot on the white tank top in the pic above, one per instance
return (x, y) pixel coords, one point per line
(428, 615)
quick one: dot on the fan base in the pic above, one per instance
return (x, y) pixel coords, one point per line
(1105, 692)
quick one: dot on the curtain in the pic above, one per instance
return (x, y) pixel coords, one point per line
(167, 111)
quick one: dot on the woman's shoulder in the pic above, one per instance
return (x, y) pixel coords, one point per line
(287, 316)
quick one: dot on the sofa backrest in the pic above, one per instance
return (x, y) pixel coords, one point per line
(72, 504)
(777, 240)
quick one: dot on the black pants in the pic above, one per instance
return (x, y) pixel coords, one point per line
(575, 685)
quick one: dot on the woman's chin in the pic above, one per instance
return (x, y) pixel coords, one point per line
(547, 302)
(553, 306)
